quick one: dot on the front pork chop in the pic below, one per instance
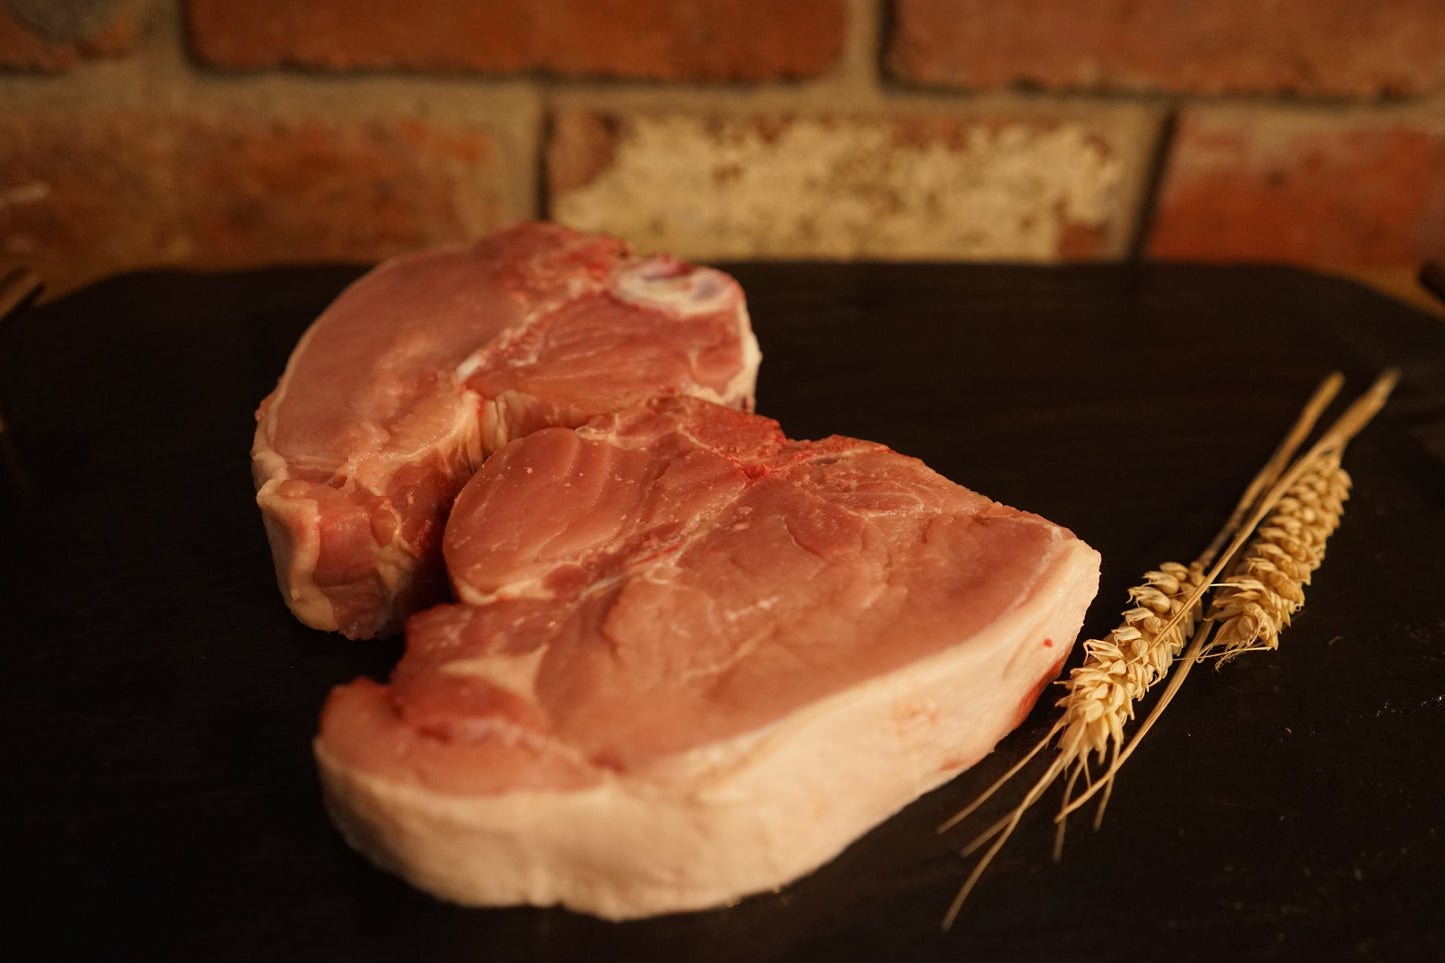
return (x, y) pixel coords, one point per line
(693, 660)
(433, 360)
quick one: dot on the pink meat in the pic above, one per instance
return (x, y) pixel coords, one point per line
(432, 361)
(696, 658)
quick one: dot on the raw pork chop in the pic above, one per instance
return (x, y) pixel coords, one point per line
(693, 660)
(432, 361)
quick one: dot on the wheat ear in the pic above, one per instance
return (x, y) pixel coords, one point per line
(1323, 456)
(1120, 668)
(1254, 604)
(1117, 670)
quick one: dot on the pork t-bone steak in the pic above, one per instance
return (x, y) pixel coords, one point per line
(692, 660)
(430, 362)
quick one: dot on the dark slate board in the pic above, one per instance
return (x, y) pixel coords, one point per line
(160, 800)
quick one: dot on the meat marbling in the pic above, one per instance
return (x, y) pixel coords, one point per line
(433, 360)
(692, 660)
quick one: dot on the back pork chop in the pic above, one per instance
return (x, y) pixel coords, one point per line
(691, 660)
(432, 361)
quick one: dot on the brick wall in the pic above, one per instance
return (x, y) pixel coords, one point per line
(216, 133)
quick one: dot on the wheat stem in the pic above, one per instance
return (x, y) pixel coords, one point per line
(1309, 416)
(1153, 650)
(1160, 628)
(1186, 659)
(998, 783)
(1120, 668)
(1254, 604)
(1003, 829)
(1324, 452)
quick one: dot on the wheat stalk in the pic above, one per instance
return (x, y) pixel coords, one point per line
(1119, 669)
(1253, 605)
(1116, 673)
(1324, 452)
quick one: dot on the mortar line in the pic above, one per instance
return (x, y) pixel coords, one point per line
(1155, 171)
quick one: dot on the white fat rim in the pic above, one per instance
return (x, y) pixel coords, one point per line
(716, 823)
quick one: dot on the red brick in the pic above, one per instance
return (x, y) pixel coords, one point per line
(26, 45)
(1353, 48)
(1306, 188)
(846, 186)
(737, 40)
(94, 194)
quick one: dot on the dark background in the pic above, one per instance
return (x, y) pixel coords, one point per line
(160, 800)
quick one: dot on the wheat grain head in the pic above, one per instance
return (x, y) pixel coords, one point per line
(1120, 668)
(1266, 587)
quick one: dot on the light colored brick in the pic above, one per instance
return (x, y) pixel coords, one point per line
(842, 186)
(655, 39)
(88, 195)
(1355, 48)
(1303, 186)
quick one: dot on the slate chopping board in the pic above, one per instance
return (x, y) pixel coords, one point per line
(159, 701)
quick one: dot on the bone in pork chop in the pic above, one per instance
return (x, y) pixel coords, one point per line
(693, 660)
(430, 362)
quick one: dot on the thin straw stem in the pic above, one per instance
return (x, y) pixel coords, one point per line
(1260, 498)
(1319, 401)
(1009, 824)
(1349, 424)
(1014, 770)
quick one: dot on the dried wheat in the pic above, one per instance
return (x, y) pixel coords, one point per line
(1254, 604)
(1121, 667)
(1314, 482)
(1288, 525)
(1117, 670)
